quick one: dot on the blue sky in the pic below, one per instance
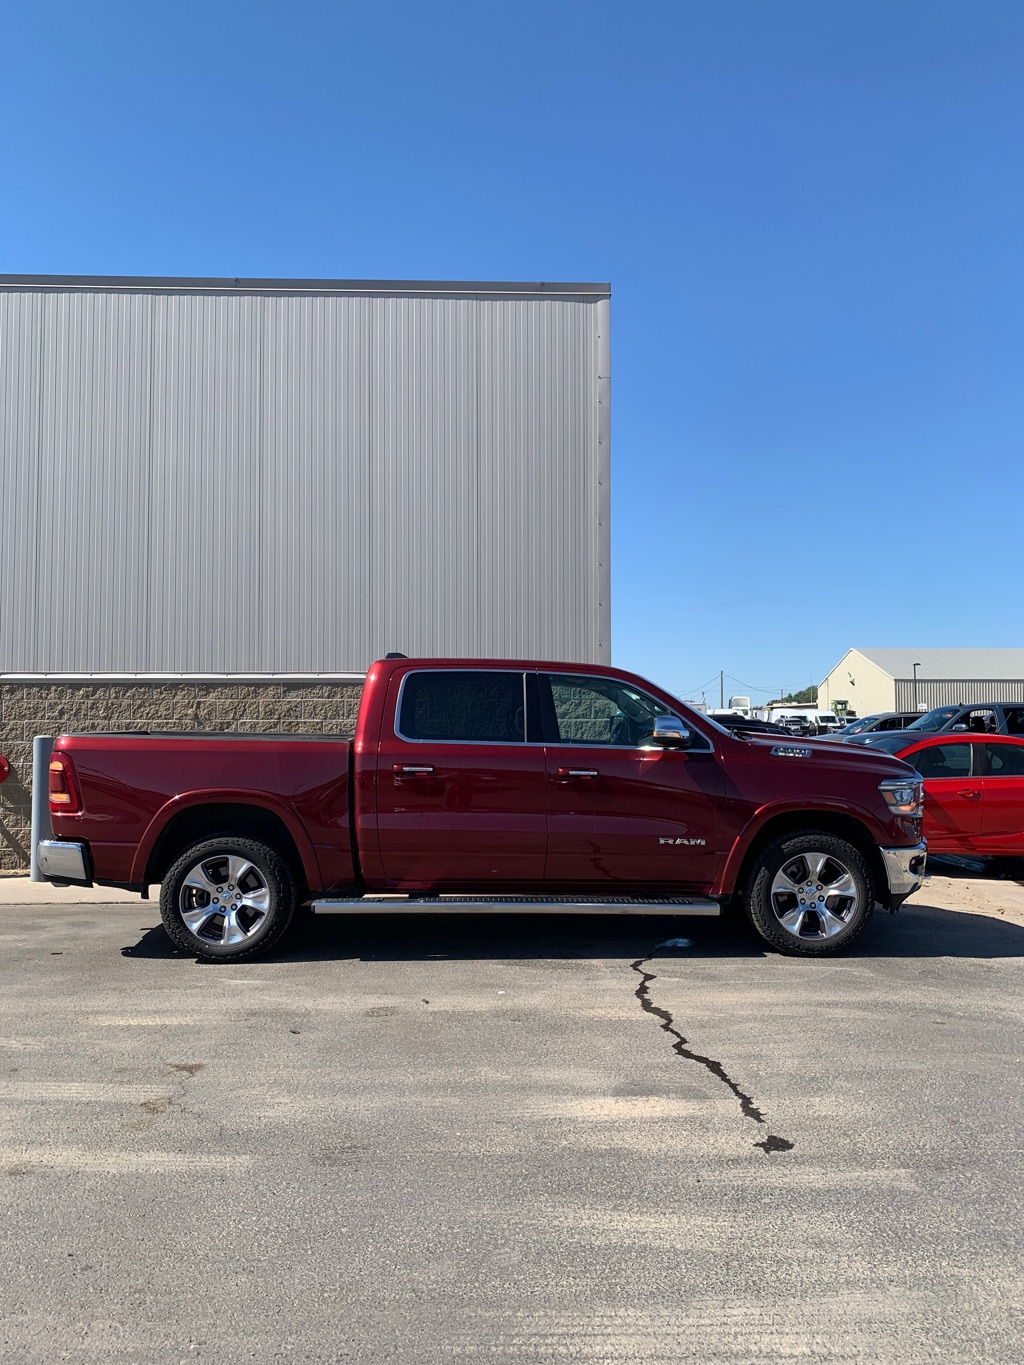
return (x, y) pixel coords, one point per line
(811, 213)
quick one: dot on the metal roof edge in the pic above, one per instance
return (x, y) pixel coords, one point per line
(852, 650)
(181, 677)
(234, 285)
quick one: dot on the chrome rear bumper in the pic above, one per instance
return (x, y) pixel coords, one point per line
(63, 860)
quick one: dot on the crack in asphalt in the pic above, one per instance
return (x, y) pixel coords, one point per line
(770, 1143)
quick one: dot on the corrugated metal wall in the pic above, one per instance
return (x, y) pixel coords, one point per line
(286, 478)
(956, 692)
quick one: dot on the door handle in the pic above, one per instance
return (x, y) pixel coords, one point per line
(412, 770)
(572, 774)
(970, 795)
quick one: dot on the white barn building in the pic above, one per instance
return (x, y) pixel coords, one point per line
(866, 681)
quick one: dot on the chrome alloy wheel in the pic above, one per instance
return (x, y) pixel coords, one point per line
(814, 896)
(224, 899)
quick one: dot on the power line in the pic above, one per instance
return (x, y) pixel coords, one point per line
(772, 691)
(690, 691)
(752, 686)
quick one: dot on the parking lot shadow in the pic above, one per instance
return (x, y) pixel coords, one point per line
(920, 930)
(401, 938)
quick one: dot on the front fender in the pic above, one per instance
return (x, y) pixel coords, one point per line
(728, 878)
(233, 796)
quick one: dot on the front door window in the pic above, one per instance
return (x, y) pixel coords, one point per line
(943, 760)
(602, 711)
(981, 721)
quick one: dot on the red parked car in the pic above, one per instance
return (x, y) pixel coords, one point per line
(973, 792)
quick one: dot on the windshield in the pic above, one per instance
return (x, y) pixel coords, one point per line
(934, 720)
(856, 726)
(892, 741)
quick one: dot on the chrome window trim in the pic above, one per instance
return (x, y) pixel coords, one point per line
(490, 743)
(542, 744)
(629, 748)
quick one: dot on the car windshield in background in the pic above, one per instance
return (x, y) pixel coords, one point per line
(934, 720)
(892, 741)
(856, 726)
(723, 729)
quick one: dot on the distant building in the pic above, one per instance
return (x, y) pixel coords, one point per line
(866, 681)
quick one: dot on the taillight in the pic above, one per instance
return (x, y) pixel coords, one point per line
(64, 796)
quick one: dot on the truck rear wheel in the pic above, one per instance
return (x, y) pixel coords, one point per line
(227, 898)
(810, 893)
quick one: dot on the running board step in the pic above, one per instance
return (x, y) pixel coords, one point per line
(516, 905)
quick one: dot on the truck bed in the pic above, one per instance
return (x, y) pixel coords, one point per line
(141, 784)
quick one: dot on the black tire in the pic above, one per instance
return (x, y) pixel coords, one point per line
(1008, 869)
(258, 909)
(817, 933)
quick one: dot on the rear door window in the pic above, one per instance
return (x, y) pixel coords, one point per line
(942, 760)
(1015, 720)
(1005, 760)
(472, 706)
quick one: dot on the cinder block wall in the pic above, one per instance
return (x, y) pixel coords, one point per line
(53, 708)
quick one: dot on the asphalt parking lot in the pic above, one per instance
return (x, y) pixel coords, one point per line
(513, 1139)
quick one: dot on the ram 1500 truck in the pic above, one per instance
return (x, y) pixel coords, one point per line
(477, 785)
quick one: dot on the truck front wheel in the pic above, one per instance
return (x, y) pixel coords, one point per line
(227, 898)
(809, 893)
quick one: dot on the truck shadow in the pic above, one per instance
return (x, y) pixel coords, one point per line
(921, 931)
(918, 931)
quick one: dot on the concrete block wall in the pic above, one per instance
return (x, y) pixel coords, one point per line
(52, 708)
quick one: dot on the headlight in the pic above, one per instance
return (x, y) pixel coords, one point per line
(904, 796)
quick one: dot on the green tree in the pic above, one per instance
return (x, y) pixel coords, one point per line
(801, 698)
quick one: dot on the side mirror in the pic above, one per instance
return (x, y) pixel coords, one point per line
(959, 727)
(670, 733)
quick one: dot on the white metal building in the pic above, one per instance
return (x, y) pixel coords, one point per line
(867, 681)
(295, 476)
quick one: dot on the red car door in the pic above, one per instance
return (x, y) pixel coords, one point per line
(460, 793)
(953, 795)
(621, 815)
(1003, 784)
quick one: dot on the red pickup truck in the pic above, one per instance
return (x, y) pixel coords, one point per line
(479, 785)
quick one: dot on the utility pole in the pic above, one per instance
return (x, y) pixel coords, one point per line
(721, 690)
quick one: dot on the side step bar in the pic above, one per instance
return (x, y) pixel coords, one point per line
(515, 905)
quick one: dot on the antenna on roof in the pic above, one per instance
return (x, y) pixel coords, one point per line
(394, 654)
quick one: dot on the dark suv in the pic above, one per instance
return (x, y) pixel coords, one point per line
(884, 720)
(991, 718)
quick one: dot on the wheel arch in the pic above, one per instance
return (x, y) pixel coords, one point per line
(843, 826)
(208, 819)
